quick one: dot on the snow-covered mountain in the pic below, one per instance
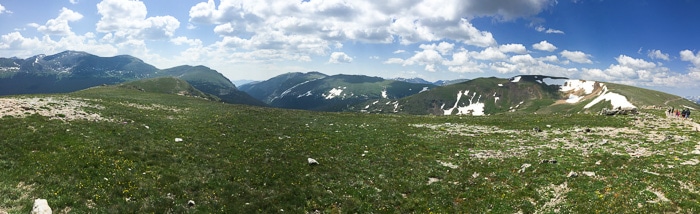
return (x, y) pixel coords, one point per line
(526, 93)
(317, 91)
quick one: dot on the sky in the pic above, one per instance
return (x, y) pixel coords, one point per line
(646, 43)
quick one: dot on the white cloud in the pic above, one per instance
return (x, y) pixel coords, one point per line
(489, 53)
(394, 61)
(689, 56)
(59, 25)
(630, 62)
(4, 10)
(513, 48)
(181, 40)
(544, 46)
(399, 51)
(576, 56)
(632, 71)
(339, 57)
(224, 29)
(657, 54)
(443, 48)
(74, 1)
(15, 44)
(127, 20)
(548, 30)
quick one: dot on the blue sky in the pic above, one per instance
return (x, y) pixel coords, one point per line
(651, 44)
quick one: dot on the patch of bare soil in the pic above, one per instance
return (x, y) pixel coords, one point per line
(59, 108)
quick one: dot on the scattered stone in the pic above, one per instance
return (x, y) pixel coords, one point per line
(549, 126)
(312, 161)
(605, 141)
(598, 162)
(691, 162)
(548, 161)
(433, 180)
(537, 129)
(589, 174)
(447, 164)
(523, 167)
(41, 206)
(177, 139)
(572, 174)
(475, 175)
(190, 203)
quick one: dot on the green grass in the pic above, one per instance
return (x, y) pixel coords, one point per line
(241, 159)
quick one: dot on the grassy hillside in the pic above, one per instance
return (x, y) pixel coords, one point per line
(510, 95)
(167, 85)
(117, 150)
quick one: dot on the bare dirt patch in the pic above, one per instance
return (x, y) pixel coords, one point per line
(59, 108)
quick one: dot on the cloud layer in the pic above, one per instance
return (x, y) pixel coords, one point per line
(411, 37)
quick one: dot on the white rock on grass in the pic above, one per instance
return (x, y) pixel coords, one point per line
(41, 206)
(589, 174)
(312, 161)
(177, 139)
(523, 167)
(572, 174)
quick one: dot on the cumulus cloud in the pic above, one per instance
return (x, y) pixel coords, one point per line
(548, 30)
(576, 56)
(639, 72)
(4, 10)
(544, 46)
(513, 48)
(399, 51)
(489, 53)
(128, 20)
(73, 1)
(339, 57)
(689, 56)
(328, 23)
(59, 25)
(657, 54)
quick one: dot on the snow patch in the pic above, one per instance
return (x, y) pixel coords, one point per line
(307, 94)
(616, 100)
(576, 85)
(424, 90)
(474, 108)
(384, 94)
(516, 79)
(333, 93)
(573, 99)
(500, 85)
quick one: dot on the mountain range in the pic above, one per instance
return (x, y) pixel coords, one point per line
(320, 92)
(72, 71)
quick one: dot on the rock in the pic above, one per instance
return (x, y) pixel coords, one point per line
(572, 174)
(589, 174)
(41, 206)
(312, 161)
(190, 203)
(523, 167)
(549, 161)
(177, 139)
(549, 126)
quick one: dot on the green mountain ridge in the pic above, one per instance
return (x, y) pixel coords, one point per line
(525, 94)
(73, 70)
(319, 92)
